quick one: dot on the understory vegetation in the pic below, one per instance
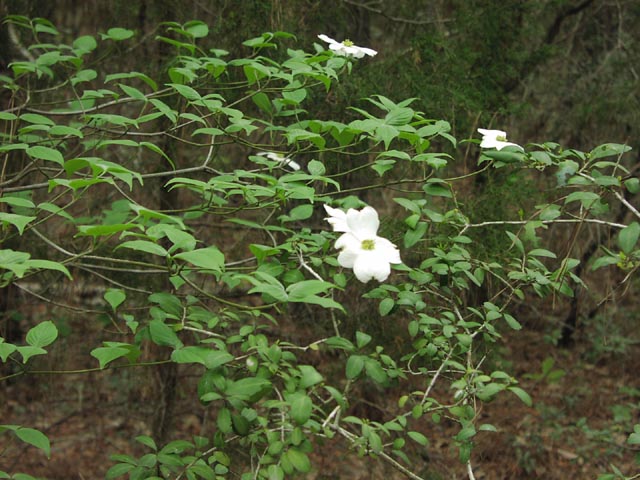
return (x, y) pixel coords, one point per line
(235, 254)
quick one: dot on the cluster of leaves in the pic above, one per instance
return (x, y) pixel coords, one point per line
(82, 148)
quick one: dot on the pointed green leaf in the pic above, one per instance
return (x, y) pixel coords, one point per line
(18, 221)
(144, 246)
(106, 355)
(115, 297)
(28, 351)
(40, 152)
(34, 437)
(210, 258)
(48, 265)
(522, 395)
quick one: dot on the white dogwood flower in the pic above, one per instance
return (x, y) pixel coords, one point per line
(361, 249)
(346, 48)
(281, 159)
(495, 139)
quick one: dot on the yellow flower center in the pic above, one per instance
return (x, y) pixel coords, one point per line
(500, 138)
(368, 245)
(347, 43)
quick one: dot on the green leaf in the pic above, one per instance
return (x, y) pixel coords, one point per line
(209, 258)
(586, 198)
(28, 351)
(632, 185)
(275, 472)
(608, 150)
(414, 235)
(302, 291)
(541, 252)
(196, 28)
(117, 34)
(154, 148)
(309, 376)
(40, 152)
(14, 261)
(163, 335)
(399, 116)
(186, 91)
(240, 424)
(34, 437)
(144, 246)
(6, 349)
(522, 395)
(299, 460)
(208, 131)
(43, 334)
(118, 470)
(301, 407)
(634, 438)
(18, 221)
(296, 96)
(418, 437)
(36, 119)
(375, 371)
(17, 202)
(48, 265)
(316, 167)
(355, 365)
(85, 43)
(106, 355)
(224, 420)
(512, 322)
(628, 237)
(362, 340)
(245, 388)
(386, 133)
(8, 116)
(263, 102)
(115, 297)
(126, 75)
(64, 131)
(386, 306)
(208, 357)
(102, 230)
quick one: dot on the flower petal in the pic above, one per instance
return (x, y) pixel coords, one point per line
(337, 218)
(501, 145)
(492, 133)
(329, 40)
(387, 250)
(370, 265)
(364, 223)
(348, 257)
(272, 156)
(489, 142)
(368, 51)
(348, 241)
(287, 162)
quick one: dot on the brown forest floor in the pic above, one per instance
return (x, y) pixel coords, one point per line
(577, 427)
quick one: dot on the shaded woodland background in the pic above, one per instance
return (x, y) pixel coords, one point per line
(549, 70)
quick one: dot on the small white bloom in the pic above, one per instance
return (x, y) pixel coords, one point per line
(495, 139)
(361, 249)
(346, 48)
(281, 159)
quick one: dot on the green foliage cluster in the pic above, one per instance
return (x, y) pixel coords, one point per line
(201, 269)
